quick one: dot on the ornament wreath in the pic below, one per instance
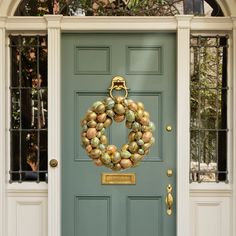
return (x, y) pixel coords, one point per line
(100, 116)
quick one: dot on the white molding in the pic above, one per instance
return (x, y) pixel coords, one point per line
(28, 23)
(211, 23)
(221, 186)
(27, 187)
(234, 124)
(54, 124)
(3, 211)
(118, 23)
(211, 193)
(115, 24)
(183, 122)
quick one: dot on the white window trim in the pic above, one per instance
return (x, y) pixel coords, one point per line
(234, 123)
(2, 127)
(54, 25)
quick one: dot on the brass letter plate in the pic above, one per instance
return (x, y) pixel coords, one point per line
(118, 179)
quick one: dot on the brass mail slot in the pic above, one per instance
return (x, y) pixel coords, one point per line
(117, 178)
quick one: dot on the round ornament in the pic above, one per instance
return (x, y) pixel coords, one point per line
(101, 115)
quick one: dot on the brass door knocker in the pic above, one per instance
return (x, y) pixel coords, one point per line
(118, 83)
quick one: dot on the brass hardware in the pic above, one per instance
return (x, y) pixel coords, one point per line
(169, 172)
(118, 179)
(169, 200)
(118, 83)
(168, 128)
(53, 163)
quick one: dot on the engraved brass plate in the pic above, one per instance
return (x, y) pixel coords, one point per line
(118, 179)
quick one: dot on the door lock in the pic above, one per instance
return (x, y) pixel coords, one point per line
(169, 200)
(53, 163)
(169, 172)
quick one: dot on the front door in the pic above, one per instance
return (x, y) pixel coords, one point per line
(148, 64)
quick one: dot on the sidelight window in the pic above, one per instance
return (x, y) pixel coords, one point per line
(28, 115)
(208, 120)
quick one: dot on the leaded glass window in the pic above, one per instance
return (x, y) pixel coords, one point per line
(118, 7)
(209, 91)
(28, 97)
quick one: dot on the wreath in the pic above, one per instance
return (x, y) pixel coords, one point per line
(101, 115)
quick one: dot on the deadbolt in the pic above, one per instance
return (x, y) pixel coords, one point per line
(169, 172)
(53, 163)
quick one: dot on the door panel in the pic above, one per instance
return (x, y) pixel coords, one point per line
(89, 62)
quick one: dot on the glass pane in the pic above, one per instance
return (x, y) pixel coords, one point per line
(222, 109)
(222, 157)
(194, 142)
(208, 109)
(15, 67)
(204, 163)
(27, 108)
(208, 67)
(28, 66)
(29, 150)
(15, 109)
(195, 107)
(43, 95)
(43, 63)
(43, 161)
(208, 146)
(15, 155)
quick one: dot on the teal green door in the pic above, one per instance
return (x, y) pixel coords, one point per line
(148, 63)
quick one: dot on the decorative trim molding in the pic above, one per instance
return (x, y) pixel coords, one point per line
(211, 193)
(211, 23)
(234, 123)
(53, 21)
(54, 124)
(27, 188)
(117, 23)
(2, 127)
(28, 23)
(184, 21)
(93, 23)
(183, 124)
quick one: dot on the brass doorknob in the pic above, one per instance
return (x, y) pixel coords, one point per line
(53, 163)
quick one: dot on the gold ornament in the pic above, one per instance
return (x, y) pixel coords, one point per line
(101, 116)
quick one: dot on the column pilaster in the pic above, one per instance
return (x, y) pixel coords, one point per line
(183, 123)
(54, 126)
(234, 122)
(3, 129)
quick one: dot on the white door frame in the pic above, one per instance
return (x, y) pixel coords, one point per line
(113, 24)
(54, 25)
